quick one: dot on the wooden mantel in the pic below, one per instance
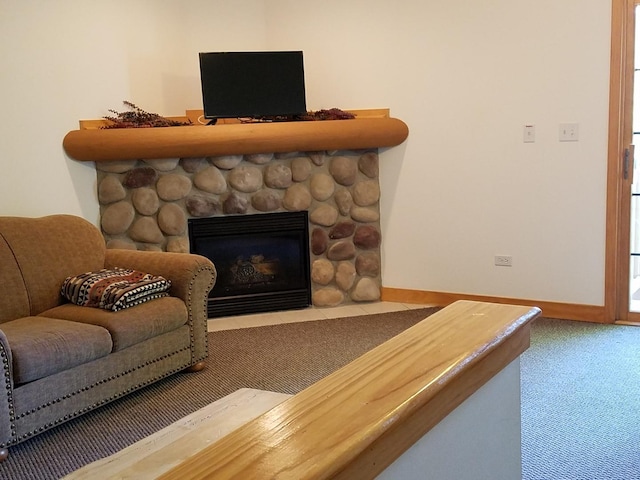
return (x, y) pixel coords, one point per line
(234, 139)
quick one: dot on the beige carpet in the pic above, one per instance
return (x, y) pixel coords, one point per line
(281, 358)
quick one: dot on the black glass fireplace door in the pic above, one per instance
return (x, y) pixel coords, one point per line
(262, 261)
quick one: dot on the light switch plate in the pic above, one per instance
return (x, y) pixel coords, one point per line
(529, 134)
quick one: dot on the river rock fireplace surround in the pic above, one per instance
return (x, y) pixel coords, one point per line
(151, 186)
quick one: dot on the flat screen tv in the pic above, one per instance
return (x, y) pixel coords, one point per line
(252, 84)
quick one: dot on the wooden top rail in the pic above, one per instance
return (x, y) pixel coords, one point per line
(94, 144)
(358, 420)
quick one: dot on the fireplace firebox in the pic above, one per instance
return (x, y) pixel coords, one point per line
(262, 261)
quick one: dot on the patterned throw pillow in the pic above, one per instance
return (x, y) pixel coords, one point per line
(114, 289)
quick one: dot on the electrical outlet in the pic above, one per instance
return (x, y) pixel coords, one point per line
(503, 260)
(569, 132)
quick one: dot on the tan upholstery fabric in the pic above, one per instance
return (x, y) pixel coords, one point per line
(192, 277)
(131, 325)
(55, 369)
(43, 346)
(50, 249)
(14, 301)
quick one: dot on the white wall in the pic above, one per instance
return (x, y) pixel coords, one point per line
(465, 76)
(67, 60)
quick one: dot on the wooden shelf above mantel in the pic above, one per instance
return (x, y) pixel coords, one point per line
(234, 139)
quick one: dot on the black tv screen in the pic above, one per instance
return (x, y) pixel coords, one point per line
(252, 84)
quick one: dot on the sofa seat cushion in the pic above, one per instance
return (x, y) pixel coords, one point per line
(42, 346)
(131, 325)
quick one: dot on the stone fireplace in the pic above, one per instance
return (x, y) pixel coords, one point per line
(146, 205)
(153, 181)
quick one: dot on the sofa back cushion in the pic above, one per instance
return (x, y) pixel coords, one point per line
(46, 251)
(14, 301)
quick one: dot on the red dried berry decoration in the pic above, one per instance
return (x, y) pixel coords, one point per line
(331, 114)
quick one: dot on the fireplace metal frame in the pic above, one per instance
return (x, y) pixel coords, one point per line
(205, 229)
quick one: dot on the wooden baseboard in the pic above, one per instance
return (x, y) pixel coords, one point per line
(566, 311)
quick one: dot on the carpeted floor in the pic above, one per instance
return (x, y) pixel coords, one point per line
(281, 358)
(581, 402)
(580, 394)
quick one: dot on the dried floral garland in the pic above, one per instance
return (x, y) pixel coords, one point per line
(138, 118)
(330, 114)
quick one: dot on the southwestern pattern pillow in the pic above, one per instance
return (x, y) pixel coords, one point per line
(114, 289)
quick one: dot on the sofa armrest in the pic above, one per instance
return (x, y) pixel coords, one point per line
(7, 412)
(192, 278)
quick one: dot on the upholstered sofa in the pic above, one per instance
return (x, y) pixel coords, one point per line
(61, 359)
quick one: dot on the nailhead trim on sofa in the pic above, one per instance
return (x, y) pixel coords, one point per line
(77, 413)
(204, 312)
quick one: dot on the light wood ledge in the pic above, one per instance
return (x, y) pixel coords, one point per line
(94, 144)
(358, 420)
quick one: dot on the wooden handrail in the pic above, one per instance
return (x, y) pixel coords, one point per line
(358, 420)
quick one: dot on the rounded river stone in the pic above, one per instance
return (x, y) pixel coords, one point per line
(368, 265)
(172, 220)
(300, 169)
(322, 186)
(297, 198)
(110, 190)
(368, 164)
(116, 166)
(266, 201)
(364, 214)
(343, 200)
(366, 290)
(145, 229)
(322, 271)
(327, 297)
(259, 158)
(317, 158)
(210, 180)
(325, 215)
(163, 164)
(319, 241)
(172, 187)
(193, 165)
(227, 162)
(367, 237)
(235, 204)
(342, 230)
(341, 250)
(277, 175)
(345, 275)
(140, 177)
(117, 218)
(344, 170)
(199, 206)
(245, 179)
(366, 193)
(145, 200)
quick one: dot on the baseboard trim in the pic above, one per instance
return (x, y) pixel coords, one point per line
(565, 311)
